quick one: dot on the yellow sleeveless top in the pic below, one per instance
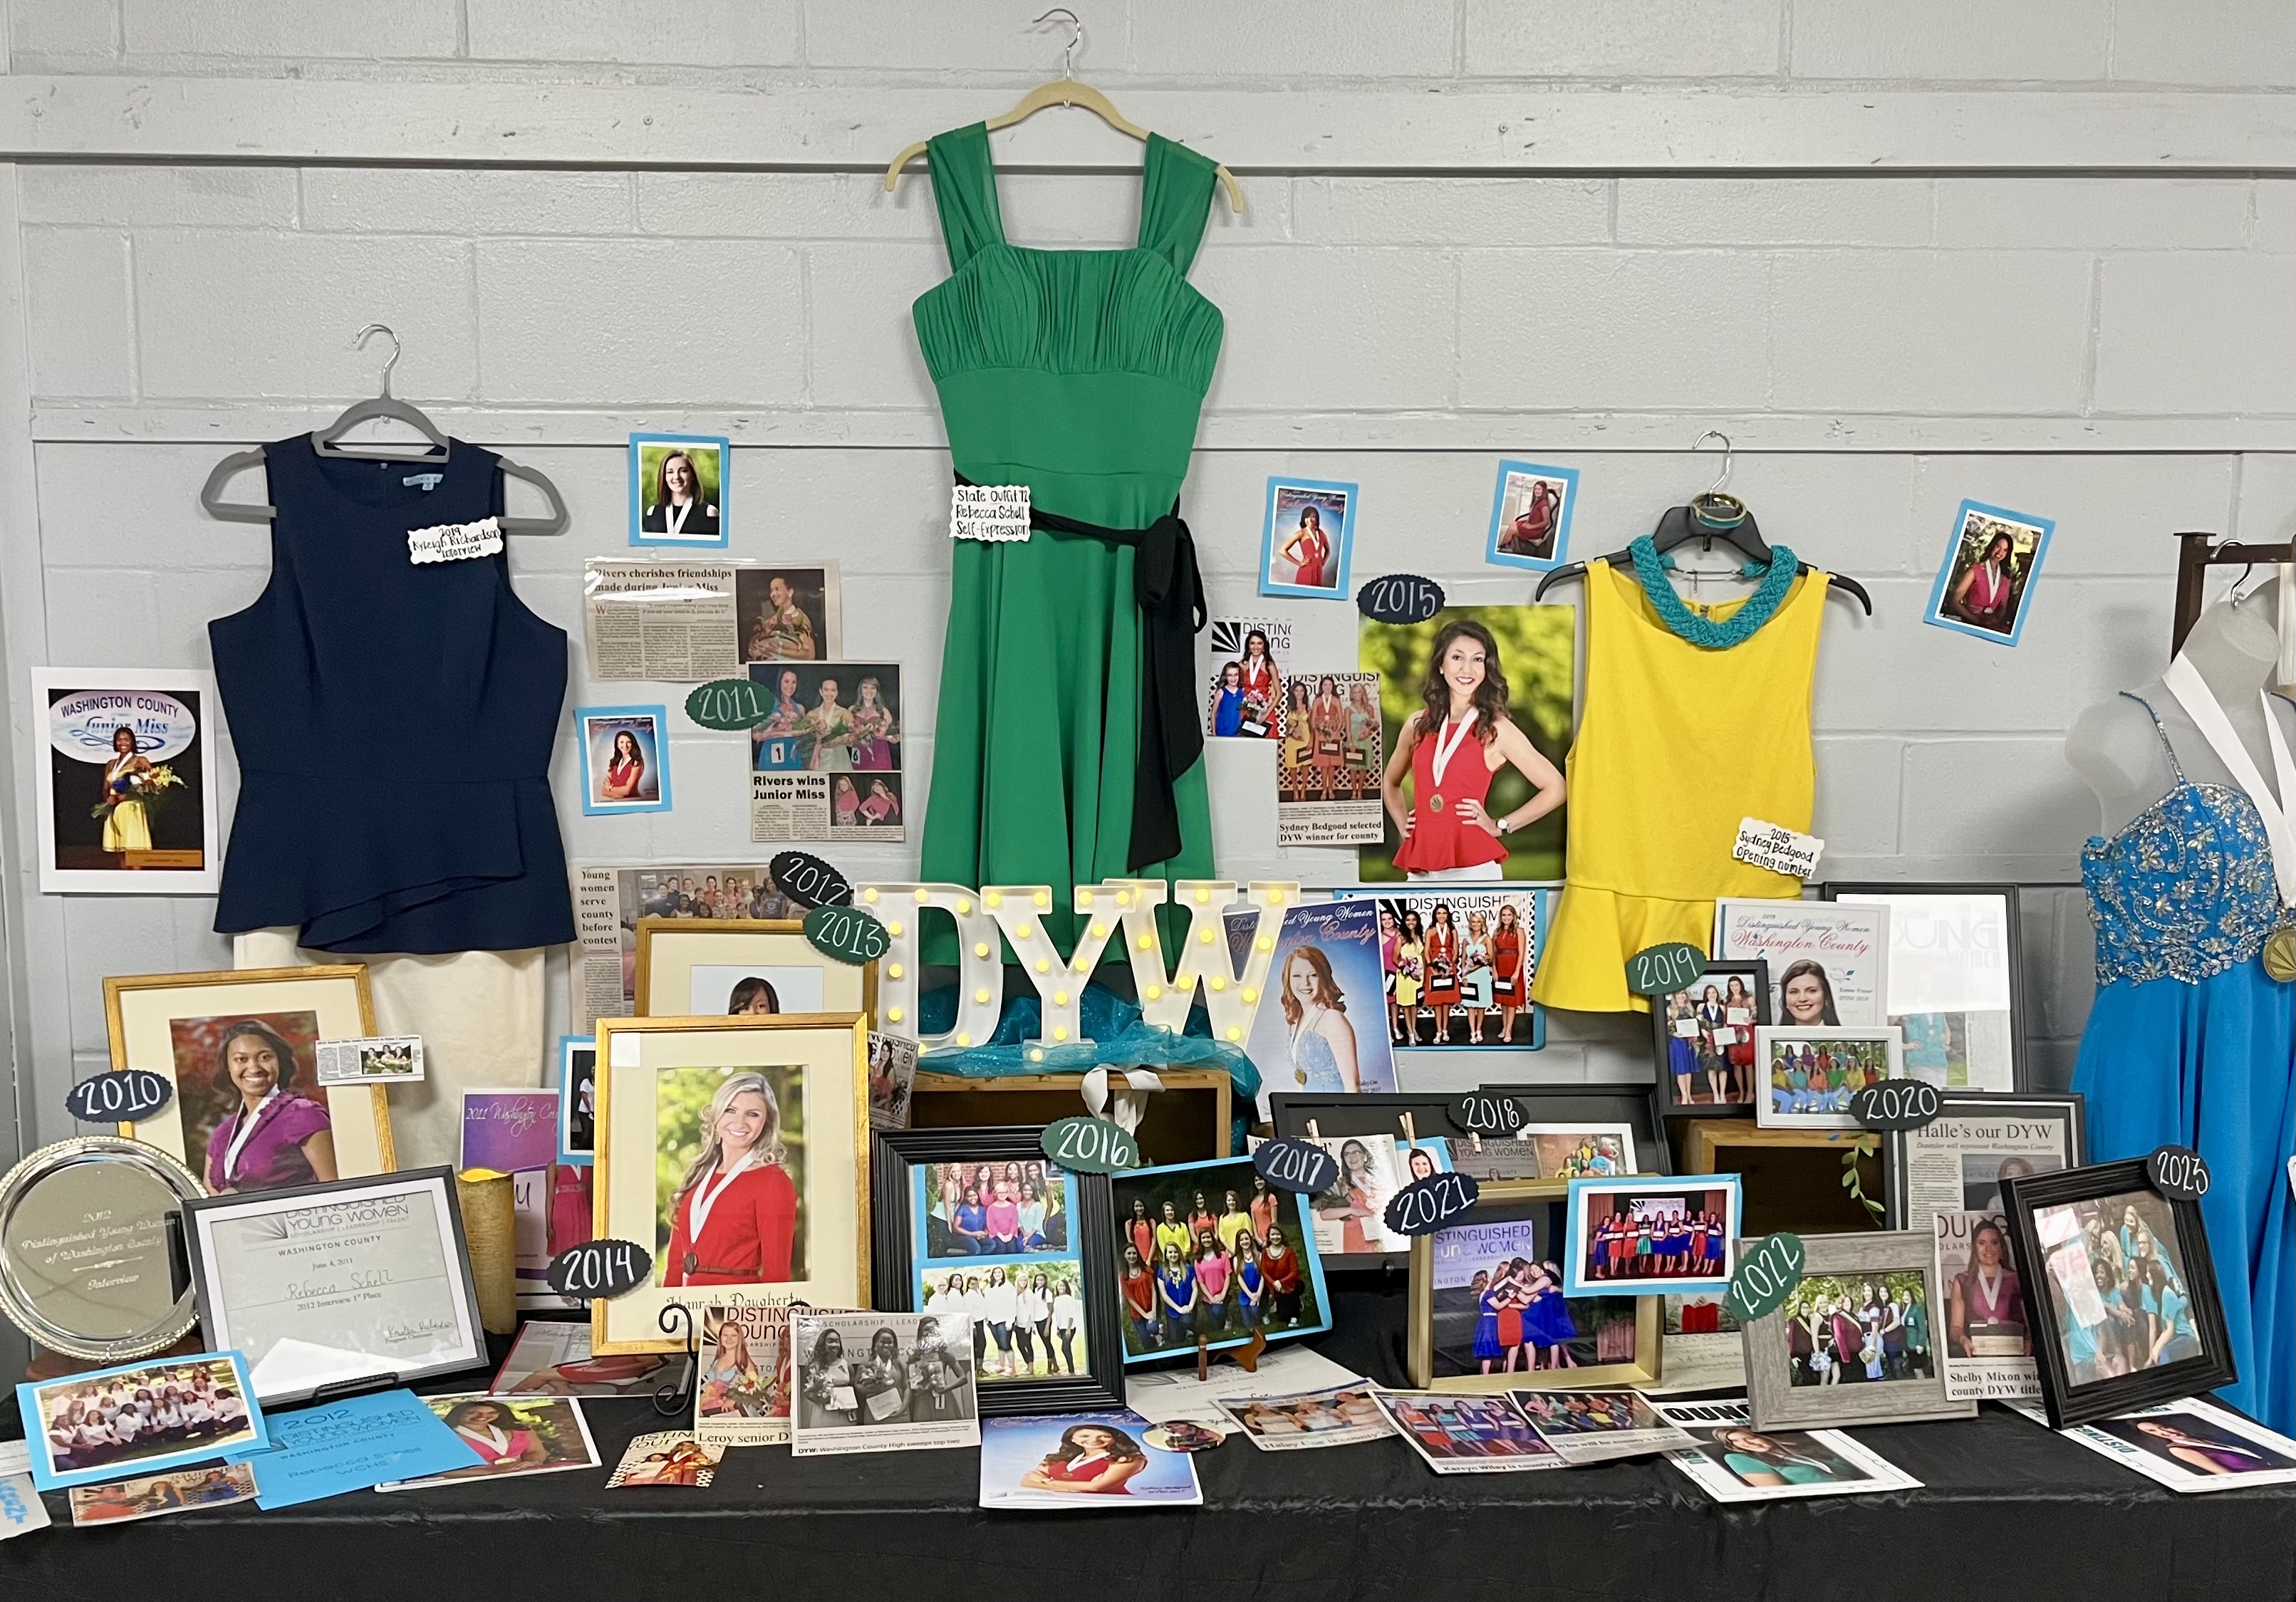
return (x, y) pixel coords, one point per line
(1677, 744)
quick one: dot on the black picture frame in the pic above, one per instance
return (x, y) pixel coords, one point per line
(203, 1279)
(1376, 1113)
(1092, 1216)
(1756, 972)
(2006, 894)
(2070, 1403)
(2068, 1106)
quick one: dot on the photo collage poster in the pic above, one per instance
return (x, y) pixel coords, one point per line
(996, 1243)
(1458, 964)
(1250, 675)
(609, 902)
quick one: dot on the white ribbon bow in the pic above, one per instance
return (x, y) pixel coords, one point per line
(1129, 1104)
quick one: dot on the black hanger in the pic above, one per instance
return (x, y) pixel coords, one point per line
(1711, 516)
(384, 405)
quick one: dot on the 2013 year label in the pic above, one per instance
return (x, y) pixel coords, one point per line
(848, 934)
(1426, 1206)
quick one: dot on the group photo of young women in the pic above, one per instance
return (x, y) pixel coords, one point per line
(1709, 1041)
(1458, 970)
(1331, 739)
(1682, 1245)
(1216, 1254)
(1859, 1328)
(2116, 1286)
(1026, 1302)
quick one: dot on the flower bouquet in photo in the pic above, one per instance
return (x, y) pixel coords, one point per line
(149, 786)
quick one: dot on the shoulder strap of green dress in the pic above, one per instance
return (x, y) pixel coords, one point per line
(1176, 197)
(965, 188)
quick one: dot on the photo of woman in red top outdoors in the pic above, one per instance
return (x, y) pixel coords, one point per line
(1449, 748)
(733, 1216)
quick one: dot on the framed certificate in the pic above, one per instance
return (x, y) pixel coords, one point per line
(326, 1286)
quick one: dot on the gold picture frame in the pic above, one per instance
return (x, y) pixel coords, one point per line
(1650, 1320)
(672, 951)
(140, 1011)
(831, 1052)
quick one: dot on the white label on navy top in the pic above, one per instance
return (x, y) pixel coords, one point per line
(454, 541)
(995, 512)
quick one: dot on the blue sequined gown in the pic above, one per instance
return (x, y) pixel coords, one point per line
(2192, 1043)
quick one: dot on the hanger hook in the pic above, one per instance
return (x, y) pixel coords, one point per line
(2236, 596)
(1727, 453)
(358, 342)
(1075, 39)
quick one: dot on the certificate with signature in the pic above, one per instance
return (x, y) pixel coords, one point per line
(328, 1286)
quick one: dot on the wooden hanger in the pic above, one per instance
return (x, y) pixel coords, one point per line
(326, 442)
(1711, 515)
(1066, 91)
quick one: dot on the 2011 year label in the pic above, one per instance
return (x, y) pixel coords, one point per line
(1399, 598)
(1660, 970)
(1295, 1164)
(1090, 1146)
(599, 1269)
(1896, 1104)
(1482, 1113)
(122, 1096)
(1767, 1276)
(2178, 1173)
(809, 881)
(729, 704)
(1426, 1206)
(848, 934)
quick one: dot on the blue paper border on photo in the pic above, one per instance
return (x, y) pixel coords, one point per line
(1342, 548)
(1936, 614)
(607, 809)
(715, 540)
(1304, 1245)
(46, 1478)
(1497, 558)
(1574, 1226)
(567, 1045)
(1541, 894)
(354, 1445)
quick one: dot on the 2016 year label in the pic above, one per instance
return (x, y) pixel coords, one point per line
(1091, 1146)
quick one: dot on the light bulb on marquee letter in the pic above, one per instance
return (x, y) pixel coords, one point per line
(1231, 1005)
(1060, 980)
(981, 979)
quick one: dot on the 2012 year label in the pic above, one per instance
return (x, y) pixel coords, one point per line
(809, 881)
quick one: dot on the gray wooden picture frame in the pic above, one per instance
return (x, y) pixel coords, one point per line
(1776, 1403)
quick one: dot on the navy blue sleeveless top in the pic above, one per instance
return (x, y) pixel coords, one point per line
(393, 722)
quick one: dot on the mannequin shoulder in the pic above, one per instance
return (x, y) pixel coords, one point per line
(2115, 743)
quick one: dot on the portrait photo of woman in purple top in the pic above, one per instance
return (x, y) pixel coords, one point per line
(271, 1137)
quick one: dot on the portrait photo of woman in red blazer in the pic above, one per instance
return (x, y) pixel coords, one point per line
(734, 1213)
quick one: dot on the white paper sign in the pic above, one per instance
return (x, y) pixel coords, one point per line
(385, 1059)
(454, 541)
(995, 512)
(21, 1510)
(1777, 847)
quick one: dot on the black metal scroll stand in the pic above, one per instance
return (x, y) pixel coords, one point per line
(675, 1398)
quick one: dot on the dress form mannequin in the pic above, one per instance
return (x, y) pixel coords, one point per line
(2112, 745)
(2190, 1040)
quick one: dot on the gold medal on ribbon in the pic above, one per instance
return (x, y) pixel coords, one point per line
(1435, 802)
(1300, 1074)
(2280, 954)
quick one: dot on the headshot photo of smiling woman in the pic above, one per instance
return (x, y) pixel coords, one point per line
(732, 1216)
(677, 490)
(273, 1138)
(1449, 749)
(1805, 995)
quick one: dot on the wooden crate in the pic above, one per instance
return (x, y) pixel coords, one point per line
(1188, 1120)
(1791, 1177)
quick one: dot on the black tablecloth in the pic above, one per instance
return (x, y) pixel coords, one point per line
(2008, 1513)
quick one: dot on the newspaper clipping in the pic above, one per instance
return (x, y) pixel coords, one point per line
(670, 622)
(826, 764)
(609, 902)
(1333, 753)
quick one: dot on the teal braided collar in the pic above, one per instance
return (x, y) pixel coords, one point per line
(1761, 607)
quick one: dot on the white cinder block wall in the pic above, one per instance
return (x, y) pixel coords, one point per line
(2111, 350)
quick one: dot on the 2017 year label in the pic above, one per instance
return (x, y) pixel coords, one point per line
(1297, 1165)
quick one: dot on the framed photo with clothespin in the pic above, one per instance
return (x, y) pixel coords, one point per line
(978, 1224)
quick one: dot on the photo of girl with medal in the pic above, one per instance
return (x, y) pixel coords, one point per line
(1449, 749)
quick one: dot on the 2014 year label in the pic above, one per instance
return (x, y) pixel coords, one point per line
(599, 1269)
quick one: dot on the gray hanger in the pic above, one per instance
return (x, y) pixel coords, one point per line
(384, 405)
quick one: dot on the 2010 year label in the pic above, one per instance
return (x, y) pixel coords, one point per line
(848, 934)
(598, 1269)
(1295, 1164)
(1091, 1146)
(122, 1096)
(1426, 1206)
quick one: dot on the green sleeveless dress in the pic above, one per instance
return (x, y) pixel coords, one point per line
(1081, 374)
